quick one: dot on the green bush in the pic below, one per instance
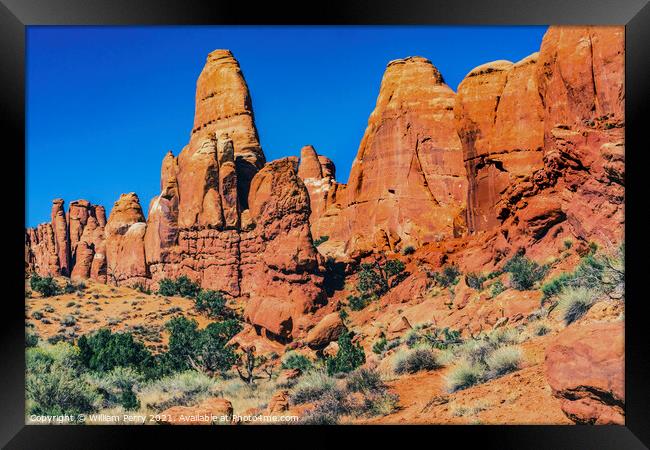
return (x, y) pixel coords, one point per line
(379, 346)
(497, 288)
(415, 360)
(207, 348)
(349, 356)
(475, 280)
(447, 277)
(46, 286)
(442, 338)
(31, 339)
(211, 301)
(181, 286)
(53, 382)
(293, 360)
(375, 279)
(524, 273)
(103, 351)
(38, 315)
(555, 285)
(357, 303)
(321, 240)
(71, 288)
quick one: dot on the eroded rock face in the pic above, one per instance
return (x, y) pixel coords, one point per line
(286, 285)
(125, 231)
(407, 185)
(585, 367)
(70, 244)
(499, 119)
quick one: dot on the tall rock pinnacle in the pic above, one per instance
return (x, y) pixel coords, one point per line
(224, 106)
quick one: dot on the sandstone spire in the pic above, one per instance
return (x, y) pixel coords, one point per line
(223, 105)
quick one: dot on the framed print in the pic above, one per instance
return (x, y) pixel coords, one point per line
(380, 218)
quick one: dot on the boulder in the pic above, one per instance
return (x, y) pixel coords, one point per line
(585, 367)
(328, 329)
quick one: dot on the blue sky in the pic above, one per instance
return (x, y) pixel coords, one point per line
(104, 104)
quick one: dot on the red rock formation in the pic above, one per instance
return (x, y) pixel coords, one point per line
(407, 184)
(499, 119)
(585, 367)
(125, 230)
(279, 261)
(41, 256)
(61, 236)
(223, 105)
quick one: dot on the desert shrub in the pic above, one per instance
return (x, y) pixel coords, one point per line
(293, 360)
(116, 387)
(412, 338)
(320, 240)
(38, 315)
(442, 338)
(375, 279)
(181, 286)
(211, 301)
(568, 243)
(31, 339)
(68, 321)
(349, 356)
(504, 360)
(329, 408)
(46, 286)
(311, 387)
(447, 277)
(71, 287)
(183, 388)
(370, 281)
(365, 381)
(497, 288)
(408, 250)
(541, 329)
(103, 351)
(573, 303)
(53, 382)
(464, 375)
(379, 346)
(343, 314)
(357, 303)
(555, 285)
(475, 280)
(415, 360)
(485, 357)
(524, 273)
(141, 287)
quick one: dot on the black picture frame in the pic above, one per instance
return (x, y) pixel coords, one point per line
(16, 15)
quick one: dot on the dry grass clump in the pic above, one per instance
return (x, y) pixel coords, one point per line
(573, 303)
(415, 360)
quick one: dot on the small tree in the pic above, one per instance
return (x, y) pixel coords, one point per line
(249, 362)
(349, 356)
(211, 301)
